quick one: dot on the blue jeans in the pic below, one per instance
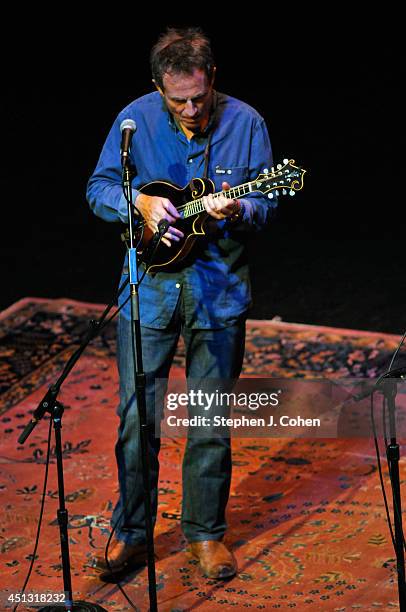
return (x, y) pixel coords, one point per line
(206, 470)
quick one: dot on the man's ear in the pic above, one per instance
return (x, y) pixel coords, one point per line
(158, 88)
(213, 76)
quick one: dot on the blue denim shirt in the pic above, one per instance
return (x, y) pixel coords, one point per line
(216, 287)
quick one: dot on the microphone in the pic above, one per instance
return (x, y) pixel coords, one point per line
(127, 129)
(163, 225)
(397, 373)
(149, 252)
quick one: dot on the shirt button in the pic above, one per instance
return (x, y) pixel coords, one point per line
(190, 160)
(177, 285)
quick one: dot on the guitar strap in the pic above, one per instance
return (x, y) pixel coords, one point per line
(207, 155)
(213, 122)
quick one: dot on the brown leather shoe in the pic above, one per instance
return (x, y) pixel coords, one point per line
(215, 559)
(122, 558)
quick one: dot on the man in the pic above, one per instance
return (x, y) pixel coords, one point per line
(185, 129)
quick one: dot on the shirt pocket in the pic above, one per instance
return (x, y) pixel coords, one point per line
(234, 175)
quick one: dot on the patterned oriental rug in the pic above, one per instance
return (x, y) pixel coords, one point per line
(306, 516)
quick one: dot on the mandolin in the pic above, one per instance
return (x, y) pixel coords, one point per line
(285, 178)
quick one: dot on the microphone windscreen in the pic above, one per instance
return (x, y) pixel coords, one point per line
(128, 124)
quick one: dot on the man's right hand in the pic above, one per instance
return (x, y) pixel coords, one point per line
(153, 209)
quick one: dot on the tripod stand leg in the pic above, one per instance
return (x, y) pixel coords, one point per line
(62, 515)
(393, 460)
(392, 451)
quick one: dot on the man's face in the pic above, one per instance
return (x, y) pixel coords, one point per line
(188, 98)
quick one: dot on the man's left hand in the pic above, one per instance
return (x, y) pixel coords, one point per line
(221, 207)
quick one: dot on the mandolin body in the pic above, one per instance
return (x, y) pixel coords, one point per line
(168, 258)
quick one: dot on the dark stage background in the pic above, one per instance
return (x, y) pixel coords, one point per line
(335, 253)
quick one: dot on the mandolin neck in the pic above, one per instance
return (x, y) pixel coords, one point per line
(196, 206)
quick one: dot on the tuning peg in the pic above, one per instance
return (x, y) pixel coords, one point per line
(279, 166)
(284, 192)
(272, 170)
(291, 192)
(266, 170)
(285, 161)
(270, 195)
(276, 192)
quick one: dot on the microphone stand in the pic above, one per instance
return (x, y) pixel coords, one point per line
(387, 384)
(139, 377)
(392, 453)
(51, 405)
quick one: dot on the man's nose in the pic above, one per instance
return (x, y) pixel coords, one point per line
(190, 109)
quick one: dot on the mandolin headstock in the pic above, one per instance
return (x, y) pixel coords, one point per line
(285, 178)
